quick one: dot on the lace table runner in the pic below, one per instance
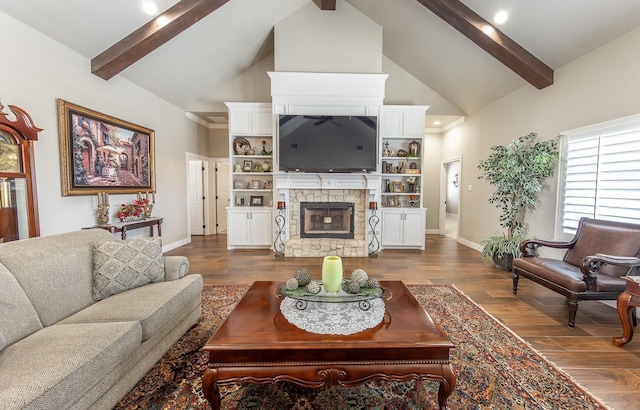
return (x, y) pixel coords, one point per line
(333, 318)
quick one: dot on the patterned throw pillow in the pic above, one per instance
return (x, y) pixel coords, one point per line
(124, 265)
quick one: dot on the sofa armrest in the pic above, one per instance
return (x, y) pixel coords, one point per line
(529, 247)
(175, 267)
(590, 266)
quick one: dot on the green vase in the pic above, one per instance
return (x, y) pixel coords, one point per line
(332, 273)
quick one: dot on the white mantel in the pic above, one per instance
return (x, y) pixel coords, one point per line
(302, 180)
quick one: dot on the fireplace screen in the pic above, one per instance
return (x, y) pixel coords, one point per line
(326, 220)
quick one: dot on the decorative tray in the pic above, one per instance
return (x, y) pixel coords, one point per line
(341, 296)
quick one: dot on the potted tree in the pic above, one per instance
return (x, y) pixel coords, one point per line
(517, 171)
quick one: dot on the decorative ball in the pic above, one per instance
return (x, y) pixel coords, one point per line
(292, 284)
(372, 283)
(359, 276)
(314, 287)
(354, 287)
(303, 275)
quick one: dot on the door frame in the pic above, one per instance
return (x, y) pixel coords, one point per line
(205, 191)
(444, 178)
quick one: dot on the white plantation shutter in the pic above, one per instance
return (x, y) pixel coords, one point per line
(602, 175)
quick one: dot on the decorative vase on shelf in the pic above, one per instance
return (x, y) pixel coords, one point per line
(332, 273)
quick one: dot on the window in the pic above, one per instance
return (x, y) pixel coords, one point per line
(601, 174)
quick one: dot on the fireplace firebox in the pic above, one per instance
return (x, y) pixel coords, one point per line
(326, 220)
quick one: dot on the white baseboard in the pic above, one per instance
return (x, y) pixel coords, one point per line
(171, 246)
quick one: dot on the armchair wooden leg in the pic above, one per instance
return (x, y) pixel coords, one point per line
(515, 281)
(573, 309)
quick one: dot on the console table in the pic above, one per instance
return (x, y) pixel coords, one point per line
(123, 227)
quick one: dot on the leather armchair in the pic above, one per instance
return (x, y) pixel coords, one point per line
(598, 256)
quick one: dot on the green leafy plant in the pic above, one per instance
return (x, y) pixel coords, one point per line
(517, 171)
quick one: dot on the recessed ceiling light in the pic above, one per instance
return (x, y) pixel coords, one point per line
(437, 122)
(500, 17)
(150, 8)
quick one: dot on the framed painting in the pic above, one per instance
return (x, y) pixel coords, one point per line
(100, 153)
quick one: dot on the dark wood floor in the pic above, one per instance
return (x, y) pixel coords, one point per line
(536, 314)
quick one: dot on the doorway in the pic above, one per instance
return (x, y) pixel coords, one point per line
(197, 198)
(450, 182)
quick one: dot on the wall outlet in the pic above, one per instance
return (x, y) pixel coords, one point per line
(469, 187)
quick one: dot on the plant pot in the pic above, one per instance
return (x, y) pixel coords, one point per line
(506, 262)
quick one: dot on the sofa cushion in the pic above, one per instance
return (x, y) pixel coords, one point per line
(19, 318)
(124, 265)
(55, 271)
(54, 367)
(152, 305)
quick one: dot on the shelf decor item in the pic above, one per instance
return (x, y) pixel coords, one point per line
(332, 273)
(103, 208)
(414, 148)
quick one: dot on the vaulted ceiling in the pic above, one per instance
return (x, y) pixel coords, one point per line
(437, 42)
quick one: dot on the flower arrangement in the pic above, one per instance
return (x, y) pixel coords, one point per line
(137, 210)
(411, 179)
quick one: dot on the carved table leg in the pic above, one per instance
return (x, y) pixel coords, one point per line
(446, 386)
(624, 307)
(210, 388)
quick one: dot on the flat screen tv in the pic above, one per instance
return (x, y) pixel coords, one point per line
(327, 143)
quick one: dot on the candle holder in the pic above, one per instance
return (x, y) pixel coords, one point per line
(280, 219)
(374, 220)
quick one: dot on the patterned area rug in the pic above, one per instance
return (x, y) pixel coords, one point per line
(496, 369)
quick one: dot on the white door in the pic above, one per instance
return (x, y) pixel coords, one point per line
(222, 196)
(196, 197)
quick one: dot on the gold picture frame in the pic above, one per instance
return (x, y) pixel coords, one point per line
(100, 153)
(396, 187)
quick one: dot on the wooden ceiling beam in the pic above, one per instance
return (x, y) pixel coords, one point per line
(328, 5)
(152, 35)
(492, 40)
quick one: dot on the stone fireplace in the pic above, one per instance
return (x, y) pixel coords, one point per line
(321, 189)
(326, 220)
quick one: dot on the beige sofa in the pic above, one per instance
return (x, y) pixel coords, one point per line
(60, 348)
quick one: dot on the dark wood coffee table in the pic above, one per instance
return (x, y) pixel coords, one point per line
(257, 345)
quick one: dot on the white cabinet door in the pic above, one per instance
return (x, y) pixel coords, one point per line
(238, 227)
(414, 228)
(261, 120)
(261, 232)
(240, 121)
(392, 227)
(413, 123)
(391, 122)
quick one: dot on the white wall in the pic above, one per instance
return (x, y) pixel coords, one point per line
(41, 70)
(340, 41)
(602, 85)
